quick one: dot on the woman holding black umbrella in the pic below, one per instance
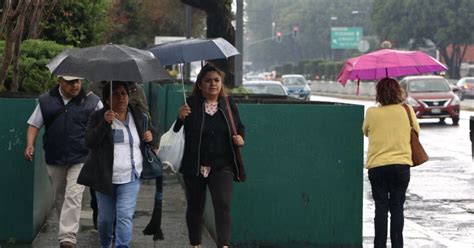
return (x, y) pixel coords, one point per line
(209, 158)
(116, 138)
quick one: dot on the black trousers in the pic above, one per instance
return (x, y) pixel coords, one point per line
(389, 185)
(219, 183)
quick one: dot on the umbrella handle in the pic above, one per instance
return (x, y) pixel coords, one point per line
(182, 81)
(110, 94)
(358, 86)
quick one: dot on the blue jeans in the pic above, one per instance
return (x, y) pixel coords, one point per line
(121, 205)
(389, 186)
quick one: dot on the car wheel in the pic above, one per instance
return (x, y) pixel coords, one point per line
(461, 97)
(441, 120)
(455, 120)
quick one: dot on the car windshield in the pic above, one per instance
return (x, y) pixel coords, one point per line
(294, 81)
(428, 85)
(469, 81)
(265, 89)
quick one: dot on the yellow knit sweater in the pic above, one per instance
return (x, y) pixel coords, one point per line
(388, 130)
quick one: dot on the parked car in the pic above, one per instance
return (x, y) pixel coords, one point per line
(431, 97)
(465, 87)
(268, 87)
(297, 86)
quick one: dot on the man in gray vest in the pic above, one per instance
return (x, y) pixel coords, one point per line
(64, 111)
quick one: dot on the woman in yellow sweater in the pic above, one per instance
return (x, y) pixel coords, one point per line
(389, 159)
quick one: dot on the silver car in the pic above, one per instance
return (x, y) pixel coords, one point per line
(465, 87)
(267, 87)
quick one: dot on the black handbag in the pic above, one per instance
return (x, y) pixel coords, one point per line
(152, 166)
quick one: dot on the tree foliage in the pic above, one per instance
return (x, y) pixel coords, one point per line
(136, 23)
(80, 23)
(314, 19)
(17, 19)
(446, 23)
(33, 74)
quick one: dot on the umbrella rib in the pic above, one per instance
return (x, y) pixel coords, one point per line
(398, 63)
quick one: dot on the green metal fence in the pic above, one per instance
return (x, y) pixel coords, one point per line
(25, 192)
(164, 102)
(304, 167)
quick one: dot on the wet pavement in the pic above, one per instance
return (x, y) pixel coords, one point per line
(173, 220)
(439, 209)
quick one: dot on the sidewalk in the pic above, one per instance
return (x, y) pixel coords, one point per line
(174, 224)
(173, 220)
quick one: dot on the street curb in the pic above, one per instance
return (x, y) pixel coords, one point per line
(370, 98)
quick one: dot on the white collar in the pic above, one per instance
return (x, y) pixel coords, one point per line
(62, 94)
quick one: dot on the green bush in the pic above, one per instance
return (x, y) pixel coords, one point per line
(34, 55)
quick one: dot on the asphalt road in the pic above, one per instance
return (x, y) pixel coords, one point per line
(439, 211)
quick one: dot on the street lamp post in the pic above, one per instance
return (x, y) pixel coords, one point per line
(354, 14)
(333, 19)
(273, 30)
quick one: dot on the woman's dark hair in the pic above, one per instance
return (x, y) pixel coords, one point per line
(204, 70)
(389, 91)
(115, 85)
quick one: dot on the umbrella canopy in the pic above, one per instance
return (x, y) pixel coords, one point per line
(107, 63)
(184, 51)
(388, 63)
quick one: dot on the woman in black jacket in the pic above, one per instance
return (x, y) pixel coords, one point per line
(116, 140)
(209, 157)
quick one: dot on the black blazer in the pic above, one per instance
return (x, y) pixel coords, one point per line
(98, 168)
(193, 131)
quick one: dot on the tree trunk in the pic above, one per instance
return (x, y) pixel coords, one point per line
(10, 33)
(219, 24)
(7, 55)
(18, 35)
(37, 14)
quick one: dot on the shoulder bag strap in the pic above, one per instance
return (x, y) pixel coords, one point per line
(231, 117)
(409, 114)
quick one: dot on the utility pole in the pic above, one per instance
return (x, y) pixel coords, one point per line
(189, 28)
(239, 40)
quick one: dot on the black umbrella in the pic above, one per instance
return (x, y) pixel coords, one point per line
(108, 63)
(190, 50)
(184, 51)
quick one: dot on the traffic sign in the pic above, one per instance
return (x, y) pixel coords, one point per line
(345, 37)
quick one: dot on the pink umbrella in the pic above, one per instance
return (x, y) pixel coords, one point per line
(388, 63)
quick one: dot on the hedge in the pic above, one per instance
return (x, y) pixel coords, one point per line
(34, 55)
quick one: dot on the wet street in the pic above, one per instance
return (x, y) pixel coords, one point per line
(439, 210)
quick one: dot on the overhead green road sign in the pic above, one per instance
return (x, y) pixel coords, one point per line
(345, 38)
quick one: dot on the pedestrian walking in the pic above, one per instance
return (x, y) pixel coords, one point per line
(64, 112)
(137, 99)
(209, 158)
(116, 138)
(389, 159)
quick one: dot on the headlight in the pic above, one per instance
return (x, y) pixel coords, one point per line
(412, 102)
